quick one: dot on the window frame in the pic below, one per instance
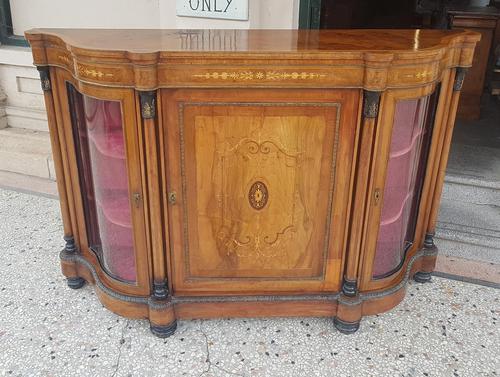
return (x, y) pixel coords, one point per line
(7, 36)
(310, 14)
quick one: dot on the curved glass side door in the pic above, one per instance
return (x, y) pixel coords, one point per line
(99, 137)
(407, 160)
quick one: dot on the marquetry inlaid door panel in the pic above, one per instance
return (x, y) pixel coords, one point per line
(254, 180)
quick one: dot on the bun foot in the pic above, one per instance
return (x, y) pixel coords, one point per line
(422, 277)
(346, 327)
(75, 283)
(163, 331)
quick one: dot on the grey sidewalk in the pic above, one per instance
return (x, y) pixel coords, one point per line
(446, 328)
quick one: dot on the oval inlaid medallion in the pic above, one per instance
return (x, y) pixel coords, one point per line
(258, 195)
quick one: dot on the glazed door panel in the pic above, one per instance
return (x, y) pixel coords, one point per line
(254, 188)
(404, 137)
(102, 137)
(99, 143)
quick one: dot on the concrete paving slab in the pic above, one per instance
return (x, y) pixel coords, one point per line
(445, 328)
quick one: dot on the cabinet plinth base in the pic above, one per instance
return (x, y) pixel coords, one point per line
(422, 277)
(345, 327)
(75, 283)
(164, 331)
(163, 314)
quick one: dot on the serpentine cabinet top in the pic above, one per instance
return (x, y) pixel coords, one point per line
(149, 59)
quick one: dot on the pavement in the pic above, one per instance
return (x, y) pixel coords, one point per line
(443, 328)
(469, 218)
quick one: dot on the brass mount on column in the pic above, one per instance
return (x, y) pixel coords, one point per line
(371, 101)
(44, 77)
(459, 78)
(148, 104)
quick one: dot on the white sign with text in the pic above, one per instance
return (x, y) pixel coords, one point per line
(228, 9)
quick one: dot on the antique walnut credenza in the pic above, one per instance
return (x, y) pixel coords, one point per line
(208, 173)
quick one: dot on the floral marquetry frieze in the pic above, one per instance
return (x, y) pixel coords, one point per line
(160, 60)
(260, 75)
(90, 72)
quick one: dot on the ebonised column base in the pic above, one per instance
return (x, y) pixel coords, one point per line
(75, 283)
(422, 277)
(164, 331)
(346, 327)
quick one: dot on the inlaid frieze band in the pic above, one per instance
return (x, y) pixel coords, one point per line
(92, 73)
(260, 75)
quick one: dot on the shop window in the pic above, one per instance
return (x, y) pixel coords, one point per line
(7, 36)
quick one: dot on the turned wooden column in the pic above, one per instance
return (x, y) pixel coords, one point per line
(162, 316)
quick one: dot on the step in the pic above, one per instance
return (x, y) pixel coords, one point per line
(469, 218)
(479, 164)
(28, 184)
(461, 249)
(468, 270)
(469, 229)
(471, 190)
(28, 152)
(26, 118)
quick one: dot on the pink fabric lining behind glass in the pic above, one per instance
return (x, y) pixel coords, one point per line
(109, 175)
(400, 186)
